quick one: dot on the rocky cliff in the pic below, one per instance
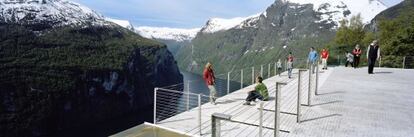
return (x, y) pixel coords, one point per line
(65, 71)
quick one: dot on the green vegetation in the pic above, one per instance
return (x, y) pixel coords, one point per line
(395, 33)
(51, 59)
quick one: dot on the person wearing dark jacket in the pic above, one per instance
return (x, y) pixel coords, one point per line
(373, 53)
(209, 78)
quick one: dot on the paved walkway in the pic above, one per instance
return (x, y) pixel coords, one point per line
(355, 104)
(232, 105)
(350, 103)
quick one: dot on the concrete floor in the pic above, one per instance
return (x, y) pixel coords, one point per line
(351, 103)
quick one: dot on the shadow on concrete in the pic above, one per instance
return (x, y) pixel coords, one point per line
(169, 121)
(327, 103)
(330, 93)
(228, 101)
(322, 117)
(383, 72)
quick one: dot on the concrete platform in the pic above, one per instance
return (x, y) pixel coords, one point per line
(351, 103)
(355, 104)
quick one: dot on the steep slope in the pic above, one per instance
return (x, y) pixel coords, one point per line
(65, 69)
(393, 12)
(259, 39)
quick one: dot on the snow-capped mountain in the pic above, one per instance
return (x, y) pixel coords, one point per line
(122, 23)
(220, 24)
(329, 11)
(54, 12)
(167, 33)
(336, 10)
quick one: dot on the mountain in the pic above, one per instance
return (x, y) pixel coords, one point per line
(168, 33)
(219, 24)
(258, 39)
(391, 13)
(123, 23)
(67, 71)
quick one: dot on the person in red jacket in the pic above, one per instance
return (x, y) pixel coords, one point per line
(209, 78)
(357, 55)
(324, 58)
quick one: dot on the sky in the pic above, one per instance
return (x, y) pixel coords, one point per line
(179, 13)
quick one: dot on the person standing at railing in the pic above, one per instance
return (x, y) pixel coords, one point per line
(290, 64)
(209, 78)
(357, 55)
(373, 53)
(279, 67)
(324, 58)
(260, 92)
(312, 58)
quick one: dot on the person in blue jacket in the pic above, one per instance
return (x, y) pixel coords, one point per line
(312, 59)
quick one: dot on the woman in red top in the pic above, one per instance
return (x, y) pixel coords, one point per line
(209, 78)
(324, 58)
(290, 64)
(357, 55)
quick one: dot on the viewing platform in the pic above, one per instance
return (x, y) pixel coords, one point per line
(348, 102)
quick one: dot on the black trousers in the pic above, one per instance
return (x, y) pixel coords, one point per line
(371, 64)
(253, 96)
(347, 62)
(356, 61)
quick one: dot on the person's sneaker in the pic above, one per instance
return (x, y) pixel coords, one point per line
(246, 103)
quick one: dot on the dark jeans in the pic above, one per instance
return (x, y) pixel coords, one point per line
(356, 61)
(253, 96)
(347, 62)
(371, 64)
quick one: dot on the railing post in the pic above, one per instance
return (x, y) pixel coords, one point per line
(403, 62)
(228, 83)
(216, 123)
(261, 71)
(199, 113)
(261, 120)
(241, 79)
(188, 95)
(298, 111)
(277, 108)
(339, 60)
(268, 70)
(155, 105)
(252, 75)
(286, 65)
(317, 79)
(309, 85)
(379, 63)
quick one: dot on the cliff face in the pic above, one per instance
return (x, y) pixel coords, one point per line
(68, 79)
(259, 40)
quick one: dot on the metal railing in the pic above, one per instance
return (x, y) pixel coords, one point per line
(175, 99)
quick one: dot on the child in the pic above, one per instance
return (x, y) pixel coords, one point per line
(290, 64)
(279, 66)
(259, 92)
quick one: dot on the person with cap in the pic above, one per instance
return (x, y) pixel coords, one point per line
(209, 78)
(373, 54)
(357, 55)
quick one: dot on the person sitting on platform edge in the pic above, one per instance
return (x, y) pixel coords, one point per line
(259, 92)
